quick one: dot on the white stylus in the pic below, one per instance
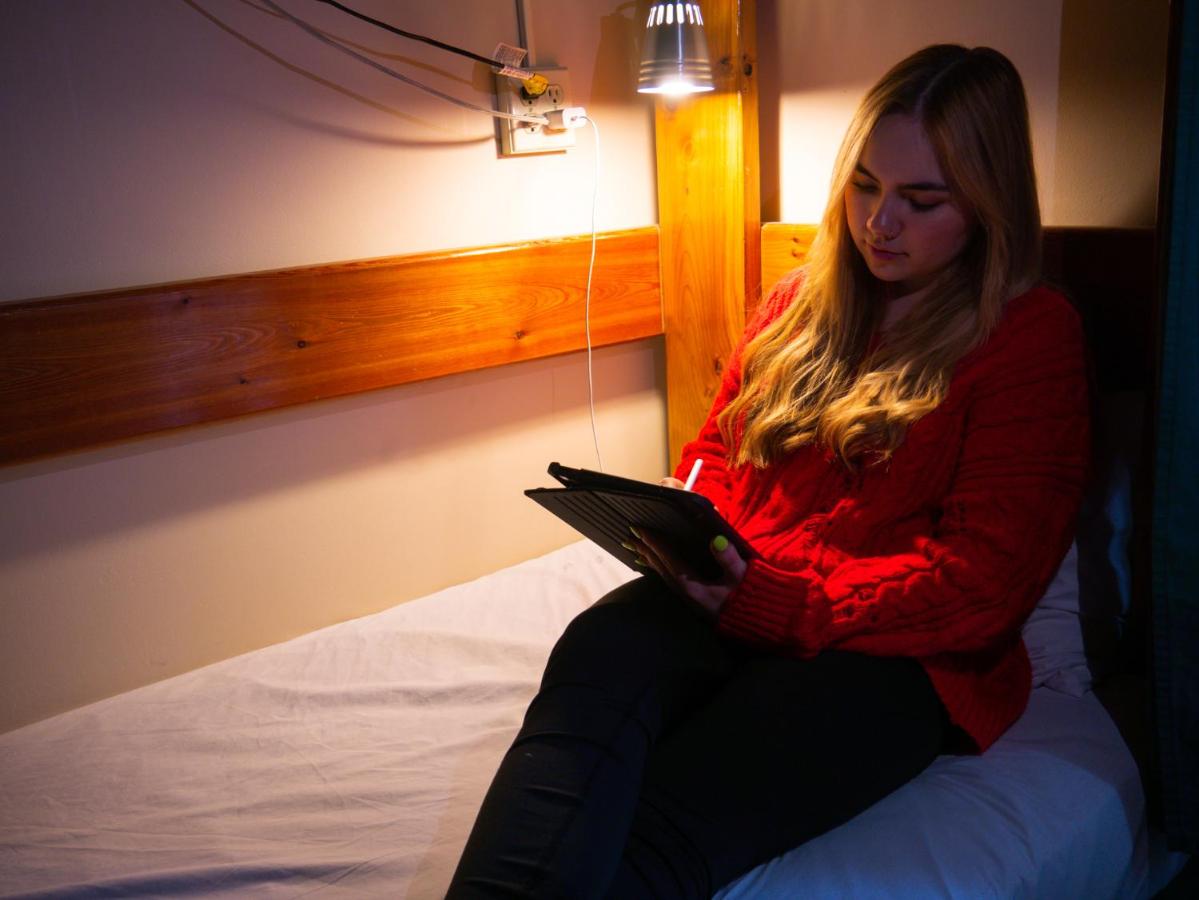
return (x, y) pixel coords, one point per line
(699, 464)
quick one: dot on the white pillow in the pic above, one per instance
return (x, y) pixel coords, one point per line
(1053, 634)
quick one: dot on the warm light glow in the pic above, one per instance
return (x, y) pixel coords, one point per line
(675, 88)
(674, 58)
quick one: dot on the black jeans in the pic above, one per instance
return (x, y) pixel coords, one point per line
(660, 759)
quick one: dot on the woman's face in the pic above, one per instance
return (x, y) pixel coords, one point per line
(902, 217)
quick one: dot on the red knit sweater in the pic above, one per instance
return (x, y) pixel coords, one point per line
(942, 552)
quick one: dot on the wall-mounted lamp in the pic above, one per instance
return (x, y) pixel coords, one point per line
(675, 60)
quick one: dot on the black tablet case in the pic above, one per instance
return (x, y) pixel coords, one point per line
(605, 507)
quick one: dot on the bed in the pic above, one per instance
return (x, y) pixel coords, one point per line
(349, 763)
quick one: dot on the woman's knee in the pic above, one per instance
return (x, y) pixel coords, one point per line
(638, 625)
(638, 649)
(615, 622)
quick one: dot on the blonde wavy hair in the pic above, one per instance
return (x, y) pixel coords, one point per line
(808, 376)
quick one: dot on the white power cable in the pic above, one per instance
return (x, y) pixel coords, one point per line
(324, 38)
(587, 312)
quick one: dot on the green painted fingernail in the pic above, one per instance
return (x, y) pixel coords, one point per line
(720, 543)
(628, 546)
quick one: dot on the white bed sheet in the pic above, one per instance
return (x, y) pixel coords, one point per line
(350, 762)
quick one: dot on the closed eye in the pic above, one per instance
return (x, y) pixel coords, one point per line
(925, 205)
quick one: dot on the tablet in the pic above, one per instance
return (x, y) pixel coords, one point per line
(605, 508)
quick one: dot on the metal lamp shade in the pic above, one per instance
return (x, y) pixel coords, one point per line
(675, 60)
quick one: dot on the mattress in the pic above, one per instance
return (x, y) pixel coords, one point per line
(350, 762)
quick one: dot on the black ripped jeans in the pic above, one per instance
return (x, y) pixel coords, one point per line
(660, 759)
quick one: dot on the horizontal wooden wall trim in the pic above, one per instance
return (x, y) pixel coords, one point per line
(90, 369)
(1109, 272)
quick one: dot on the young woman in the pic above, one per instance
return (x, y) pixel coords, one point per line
(902, 437)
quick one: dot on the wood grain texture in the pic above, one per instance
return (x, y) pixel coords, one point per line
(784, 247)
(80, 371)
(747, 87)
(708, 209)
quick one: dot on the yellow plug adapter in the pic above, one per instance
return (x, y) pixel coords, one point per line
(533, 134)
(535, 85)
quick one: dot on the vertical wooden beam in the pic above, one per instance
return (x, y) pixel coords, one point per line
(709, 217)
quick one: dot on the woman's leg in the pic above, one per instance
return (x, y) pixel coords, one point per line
(556, 818)
(787, 750)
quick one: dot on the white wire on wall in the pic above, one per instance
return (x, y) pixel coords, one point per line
(525, 38)
(599, 459)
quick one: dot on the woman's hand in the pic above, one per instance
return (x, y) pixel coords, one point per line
(709, 596)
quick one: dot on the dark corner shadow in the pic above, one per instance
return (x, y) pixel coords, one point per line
(1089, 67)
(374, 430)
(326, 127)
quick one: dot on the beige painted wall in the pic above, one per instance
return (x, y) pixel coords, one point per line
(143, 143)
(1093, 70)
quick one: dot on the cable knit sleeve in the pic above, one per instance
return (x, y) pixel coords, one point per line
(713, 481)
(993, 542)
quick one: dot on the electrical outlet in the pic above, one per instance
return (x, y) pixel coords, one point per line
(517, 138)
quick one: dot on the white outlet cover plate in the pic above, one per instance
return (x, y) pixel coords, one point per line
(520, 138)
